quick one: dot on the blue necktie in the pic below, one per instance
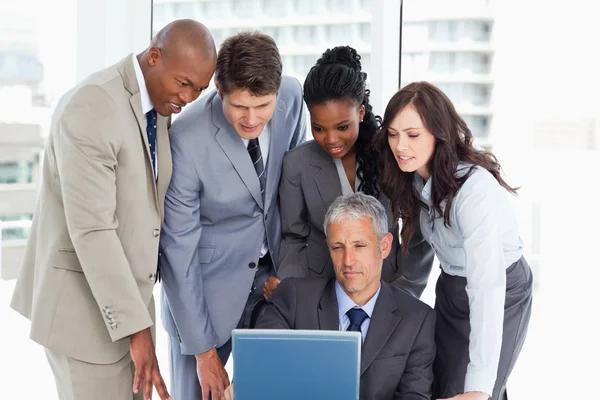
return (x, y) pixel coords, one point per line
(151, 131)
(357, 317)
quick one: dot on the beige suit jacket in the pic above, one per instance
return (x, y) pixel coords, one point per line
(90, 264)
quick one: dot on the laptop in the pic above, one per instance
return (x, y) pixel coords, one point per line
(272, 364)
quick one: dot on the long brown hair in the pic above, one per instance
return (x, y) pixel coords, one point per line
(453, 145)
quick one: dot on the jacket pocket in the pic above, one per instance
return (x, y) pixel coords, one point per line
(67, 259)
(390, 364)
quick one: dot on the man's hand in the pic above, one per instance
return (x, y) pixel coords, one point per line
(212, 375)
(469, 396)
(147, 373)
(229, 392)
(269, 286)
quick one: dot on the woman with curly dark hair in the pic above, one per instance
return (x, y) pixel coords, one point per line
(454, 193)
(340, 160)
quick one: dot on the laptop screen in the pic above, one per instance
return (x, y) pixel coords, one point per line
(295, 364)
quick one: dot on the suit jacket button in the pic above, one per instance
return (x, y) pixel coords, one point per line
(252, 265)
(156, 233)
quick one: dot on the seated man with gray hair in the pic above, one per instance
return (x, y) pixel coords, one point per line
(397, 329)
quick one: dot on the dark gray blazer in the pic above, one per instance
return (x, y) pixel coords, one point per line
(309, 185)
(216, 218)
(399, 349)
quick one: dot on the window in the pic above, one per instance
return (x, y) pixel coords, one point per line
(273, 8)
(183, 10)
(340, 34)
(16, 172)
(37, 65)
(306, 34)
(308, 8)
(15, 227)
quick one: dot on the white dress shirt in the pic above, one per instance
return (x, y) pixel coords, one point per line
(481, 242)
(146, 102)
(345, 303)
(264, 139)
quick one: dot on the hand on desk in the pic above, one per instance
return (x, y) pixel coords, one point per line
(469, 396)
(269, 286)
(211, 375)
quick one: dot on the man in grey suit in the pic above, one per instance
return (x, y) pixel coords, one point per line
(91, 261)
(222, 227)
(398, 330)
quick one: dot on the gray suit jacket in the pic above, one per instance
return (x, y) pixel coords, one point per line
(399, 349)
(90, 265)
(215, 218)
(309, 185)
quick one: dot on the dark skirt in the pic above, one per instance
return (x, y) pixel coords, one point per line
(452, 330)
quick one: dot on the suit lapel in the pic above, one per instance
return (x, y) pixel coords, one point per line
(163, 156)
(328, 311)
(127, 72)
(326, 179)
(232, 145)
(383, 323)
(277, 148)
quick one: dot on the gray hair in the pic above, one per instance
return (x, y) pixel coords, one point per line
(356, 206)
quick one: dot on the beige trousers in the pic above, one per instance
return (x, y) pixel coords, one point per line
(78, 380)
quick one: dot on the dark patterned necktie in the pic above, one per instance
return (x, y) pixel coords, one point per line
(257, 160)
(151, 131)
(357, 317)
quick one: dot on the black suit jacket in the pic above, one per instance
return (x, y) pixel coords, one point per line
(309, 185)
(399, 348)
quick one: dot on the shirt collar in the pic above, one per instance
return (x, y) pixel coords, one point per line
(345, 303)
(423, 188)
(145, 97)
(264, 134)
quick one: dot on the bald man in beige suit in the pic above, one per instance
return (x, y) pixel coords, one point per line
(91, 261)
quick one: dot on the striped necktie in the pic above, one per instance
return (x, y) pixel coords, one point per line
(257, 160)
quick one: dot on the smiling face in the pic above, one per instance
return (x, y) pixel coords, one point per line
(335, 125)
(357, 256)
(410, 141)
(247, 113)
(177, 79)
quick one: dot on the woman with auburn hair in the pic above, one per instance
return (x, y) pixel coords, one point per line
(439, 182)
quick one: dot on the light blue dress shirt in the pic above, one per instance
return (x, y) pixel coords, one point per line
(345, 303)
(481, 242)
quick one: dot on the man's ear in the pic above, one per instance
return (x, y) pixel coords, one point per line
(217, 88)
(154, 56)
(385, 245)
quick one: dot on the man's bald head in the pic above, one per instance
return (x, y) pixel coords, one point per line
(178, 65)
(184, 36)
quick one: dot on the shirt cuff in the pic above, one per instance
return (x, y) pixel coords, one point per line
(480, 379)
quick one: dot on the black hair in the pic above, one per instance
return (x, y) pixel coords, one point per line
(338, 75)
